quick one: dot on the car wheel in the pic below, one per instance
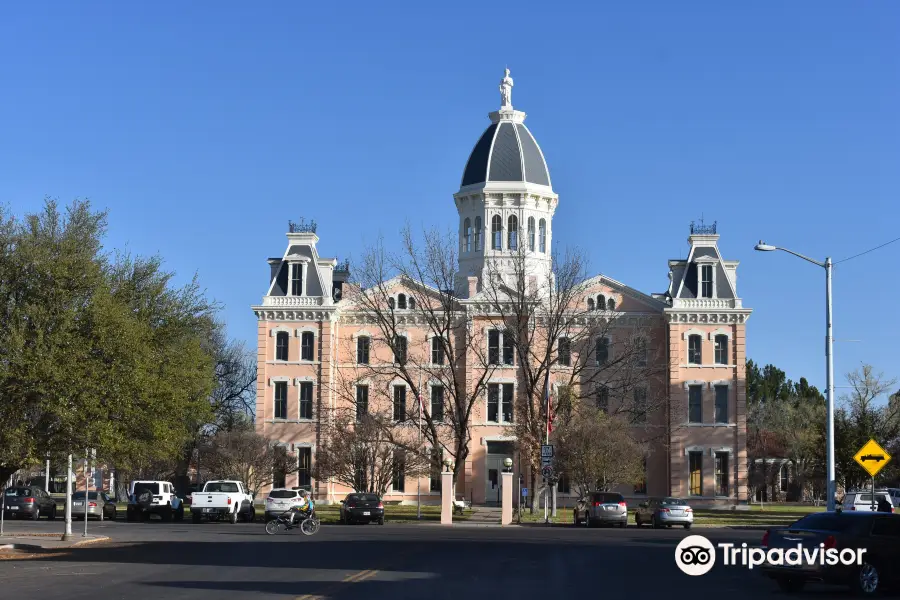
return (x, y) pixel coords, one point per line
(52, 515)
(656, 524)
(196, 517)
(129, 516)
(623, 524)
(381, 521)
(590, 523)
(687, 525)
(867, 580)
(637, 521)
(233, 517)
(36, 514)
(251, 516)
(179, 514)
(113, 515)
(790, 586)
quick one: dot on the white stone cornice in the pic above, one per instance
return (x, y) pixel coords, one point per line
(732, 317)
(265, 313)
(293, 301)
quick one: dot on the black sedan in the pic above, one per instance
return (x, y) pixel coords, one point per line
(877, 534)
(362, 508)
(28, 502)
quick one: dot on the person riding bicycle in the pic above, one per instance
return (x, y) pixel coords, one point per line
(302, 508)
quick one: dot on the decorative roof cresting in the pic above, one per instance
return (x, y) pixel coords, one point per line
(302, 226)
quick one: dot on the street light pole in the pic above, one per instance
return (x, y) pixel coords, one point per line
(829, 368)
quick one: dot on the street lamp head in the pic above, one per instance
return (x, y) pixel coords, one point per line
(508, 463)
(764, 247)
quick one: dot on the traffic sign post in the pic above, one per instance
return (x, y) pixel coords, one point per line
(524, 492)
(547, 472)
(872, 458)
(546, 455)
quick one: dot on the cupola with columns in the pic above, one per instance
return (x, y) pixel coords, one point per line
(505, 200)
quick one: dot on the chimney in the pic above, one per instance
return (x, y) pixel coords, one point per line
(473, 286)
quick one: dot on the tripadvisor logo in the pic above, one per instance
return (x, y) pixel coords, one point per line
(696, 555)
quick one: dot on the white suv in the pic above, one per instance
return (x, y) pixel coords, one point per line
(280, 500)
(862, 501)
(147, 498)
(895, 496)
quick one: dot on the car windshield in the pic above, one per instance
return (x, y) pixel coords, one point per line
(226, 487)
(282, 494)
(673, 502)
(80, 496)
(606, 498)
(144, 486)
(18, 492)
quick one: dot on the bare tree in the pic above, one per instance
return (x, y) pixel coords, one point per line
(559, 337)
(598, 452)
(245, 455)
(400, 295)
(363, 456)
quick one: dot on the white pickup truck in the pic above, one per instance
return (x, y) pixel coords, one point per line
(223, 499)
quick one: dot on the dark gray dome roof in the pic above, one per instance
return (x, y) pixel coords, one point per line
(506, 151)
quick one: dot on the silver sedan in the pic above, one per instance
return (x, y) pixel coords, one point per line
(664, 512)
(99, 505)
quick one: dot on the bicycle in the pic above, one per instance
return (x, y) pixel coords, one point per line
(309, 525)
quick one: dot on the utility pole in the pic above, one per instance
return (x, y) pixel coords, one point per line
(87, 488)
(68, 534)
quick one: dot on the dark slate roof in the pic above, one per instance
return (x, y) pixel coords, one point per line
(691, 283)
(506, 152)
(313, 285)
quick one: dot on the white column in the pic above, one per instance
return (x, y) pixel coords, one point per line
(506, 498)
(446, 498)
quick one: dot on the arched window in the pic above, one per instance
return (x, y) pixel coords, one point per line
(601, 302)
(401, 301)
(590, 304)
(496, 233)
(307, 340)
(411, 302)
(542, 236)
(282, 338)
(512, 233)
(477, 234)
(610, 304)
(467, 235)
(695, 344)
(531, 234)
(391, 303)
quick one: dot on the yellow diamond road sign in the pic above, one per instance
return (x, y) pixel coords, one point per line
(872, 457)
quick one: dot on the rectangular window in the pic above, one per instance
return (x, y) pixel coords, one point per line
(706, 281)
(564, 484)
(398, 478)
(641, 486)
(400, 350)
(304, 466)
(493, 412)
(508, 349)
(508, 402)
(281, 399)
(307, 340)
(399, 403)
(306, 400)
(642, 352)
(565, 352)
(721, 404)
(437, 351)
(721, 349)
(695, 344)
(282, 339)
(640, 405)
(297, 279)
(493, 347)
(603, 398)
(695, 468)
(602, 351)
(362, 401)
(695, 404)
(721, 473)
(362, 350)
(437, 403)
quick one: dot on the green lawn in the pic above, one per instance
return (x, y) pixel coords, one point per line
(392, 512)
(769, 514)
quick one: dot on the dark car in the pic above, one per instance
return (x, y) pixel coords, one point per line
(362, 508)
(877, 533)
(30, 502)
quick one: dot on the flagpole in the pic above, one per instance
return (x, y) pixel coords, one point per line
(419, 477)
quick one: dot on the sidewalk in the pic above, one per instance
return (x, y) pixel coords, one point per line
(33, 542)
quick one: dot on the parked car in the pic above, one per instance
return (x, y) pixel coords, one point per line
(223, 499)
(362, 508)
(895, 496)
(279, 500)
(28, 501)
(878, 533)
(146, 498)
(99, 503)
(862, 500)
(602, 507)
(664, 512)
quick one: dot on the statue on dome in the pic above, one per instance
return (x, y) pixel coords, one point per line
(506, 85)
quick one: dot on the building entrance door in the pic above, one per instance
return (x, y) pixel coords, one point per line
(492, 489)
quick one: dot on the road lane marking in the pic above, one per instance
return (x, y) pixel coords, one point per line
(352, 578)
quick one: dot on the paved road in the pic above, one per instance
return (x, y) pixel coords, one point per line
(178, 561)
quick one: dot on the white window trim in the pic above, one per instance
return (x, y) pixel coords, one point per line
(487, 348)
(701, 262)
(717, 382)
(297, 383)
(361, 333)
(300, 333)
(293, 260)
(689, 383)
(279, 329)
(500, 381)
(689, 449)
(719, 331)
(277, 378)
(428, 338)
(301, 330)
(714, 451)
(693, 331)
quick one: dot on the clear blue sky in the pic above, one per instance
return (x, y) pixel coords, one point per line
(204, 126)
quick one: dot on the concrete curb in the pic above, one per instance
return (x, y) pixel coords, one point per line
(27, 547)
(102, 538)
